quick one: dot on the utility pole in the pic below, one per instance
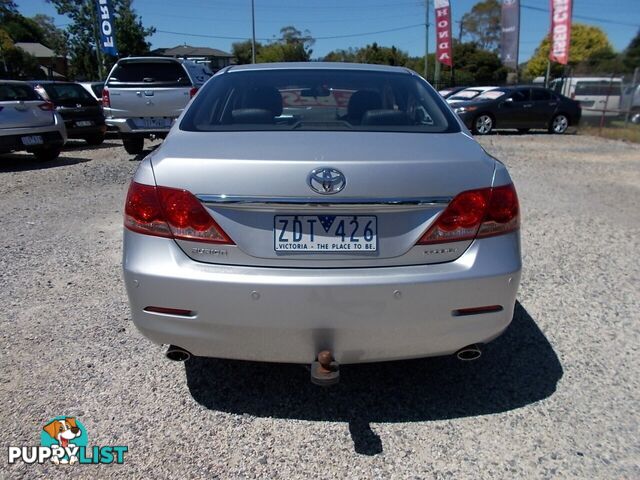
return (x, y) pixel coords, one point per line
(253, 28)
(426, 38)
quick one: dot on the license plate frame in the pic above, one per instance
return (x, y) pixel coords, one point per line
(153, 122)
(31, 140)
(357, 234)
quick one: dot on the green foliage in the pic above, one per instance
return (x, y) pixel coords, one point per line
(129, 31)
(482, 24)
(53, 37)
(242, 51)
(631, 56)
(292, 46)
(587, 42)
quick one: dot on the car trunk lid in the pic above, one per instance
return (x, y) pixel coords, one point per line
(251, 182)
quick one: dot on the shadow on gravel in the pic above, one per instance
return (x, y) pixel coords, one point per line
(516, 369)
(20, 163)
(72, 145)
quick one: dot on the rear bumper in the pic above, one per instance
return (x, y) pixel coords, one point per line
(288, 315)
(81, 132)
(126, 125)
(54, 135)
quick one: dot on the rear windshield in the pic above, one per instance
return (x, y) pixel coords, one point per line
(145, 73)
(319, 99)
(598, 88)
(465, 95)
(14, 93)
(59, 92)
(97, 89)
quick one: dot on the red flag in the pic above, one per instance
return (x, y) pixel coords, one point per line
(560, 31)
(443, 32)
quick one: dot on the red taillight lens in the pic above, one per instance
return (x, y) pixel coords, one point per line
(483, 213)
(193, 92)
(47, 106)
(106, 100)
(170, 212)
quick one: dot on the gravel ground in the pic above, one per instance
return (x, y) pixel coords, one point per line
(556, 396)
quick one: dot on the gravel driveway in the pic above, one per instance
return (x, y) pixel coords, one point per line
(557, 396)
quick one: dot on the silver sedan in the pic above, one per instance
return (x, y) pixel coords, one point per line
(321, 213)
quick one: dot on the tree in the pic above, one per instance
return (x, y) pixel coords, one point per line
(631, 56)
(341, 55)
(242, 51)
(292, 46)
(586, 42)
(475, 66)
(482, 24)
(53, 37)
(130, 34)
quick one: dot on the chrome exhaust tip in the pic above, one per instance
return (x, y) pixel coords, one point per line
(177, 354)
(469, 353)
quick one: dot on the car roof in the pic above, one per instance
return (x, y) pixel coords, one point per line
(319, 66)
(13, 82)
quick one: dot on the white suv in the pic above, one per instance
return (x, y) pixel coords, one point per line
(144, 95)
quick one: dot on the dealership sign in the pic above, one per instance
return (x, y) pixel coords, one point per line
(443, 32)
(560, 31)
(510, 33)
(106, 26)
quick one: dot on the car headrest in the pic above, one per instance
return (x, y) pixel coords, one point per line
(385, 117)
(265, 98)
(360, 102)
(252, 115)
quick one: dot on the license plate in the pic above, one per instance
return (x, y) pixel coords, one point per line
(325, 233)
(32, 140)
(84, 123)
(153, 122)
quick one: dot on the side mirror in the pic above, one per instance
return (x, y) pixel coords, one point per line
(509, 100)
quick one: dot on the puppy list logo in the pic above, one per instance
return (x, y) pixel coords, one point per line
(63, 440)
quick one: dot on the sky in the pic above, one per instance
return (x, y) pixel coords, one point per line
(355, 22)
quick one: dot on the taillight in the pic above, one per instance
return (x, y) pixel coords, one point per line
(170, 212)
(106, 100)
(193, 91)
(47, 106)
(476, 213)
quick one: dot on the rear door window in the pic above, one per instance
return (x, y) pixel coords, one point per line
(540, 95)
(599, 88)
(521, 95)
(16, 93)
(149, 73)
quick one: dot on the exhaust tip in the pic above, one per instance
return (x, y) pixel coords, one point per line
(469, 353)
(177, 354)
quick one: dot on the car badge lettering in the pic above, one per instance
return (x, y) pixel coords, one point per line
(326, 180)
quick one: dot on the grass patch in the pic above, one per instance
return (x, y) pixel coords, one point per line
(614, 130)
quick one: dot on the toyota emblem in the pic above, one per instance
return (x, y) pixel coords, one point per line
(326, 180)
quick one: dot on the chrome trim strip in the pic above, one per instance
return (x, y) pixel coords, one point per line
(274, 201)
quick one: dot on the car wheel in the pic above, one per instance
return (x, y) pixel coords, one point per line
(96, 139)
(483, 124)
(47, 154)
(559, 124)
(133, 145)
(635, 117)
(524, 130)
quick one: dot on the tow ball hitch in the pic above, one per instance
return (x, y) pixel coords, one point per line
(325, 371)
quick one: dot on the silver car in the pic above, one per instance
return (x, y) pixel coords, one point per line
(321, 213)
(27, 122)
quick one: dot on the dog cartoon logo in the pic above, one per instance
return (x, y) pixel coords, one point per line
(66, 433)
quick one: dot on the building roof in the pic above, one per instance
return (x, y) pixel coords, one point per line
(36, 49)
(189, 51)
